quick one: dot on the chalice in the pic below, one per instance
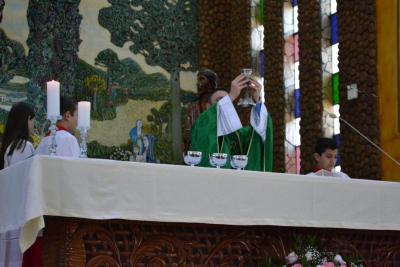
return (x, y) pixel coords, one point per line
(192, 158)
(247, 100)
(239, 162)
(218, 159)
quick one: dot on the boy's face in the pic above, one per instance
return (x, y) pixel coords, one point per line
(72, 120)
(326, 160)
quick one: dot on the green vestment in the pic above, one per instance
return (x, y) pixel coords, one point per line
(204, 139)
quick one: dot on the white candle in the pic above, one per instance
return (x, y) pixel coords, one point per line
(84, 114)
(53, 99)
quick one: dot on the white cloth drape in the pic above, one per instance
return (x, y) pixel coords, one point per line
(106, 189)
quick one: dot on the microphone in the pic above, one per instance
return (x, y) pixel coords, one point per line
(334, 116)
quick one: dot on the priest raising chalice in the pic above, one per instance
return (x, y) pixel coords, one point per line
(220, 130)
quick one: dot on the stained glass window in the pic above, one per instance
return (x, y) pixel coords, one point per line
(292, 86)
(330, 64)
(257, 40)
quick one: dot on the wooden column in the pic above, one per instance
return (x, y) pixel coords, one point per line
(388, 68)
(357, 65)
(224, 37)
(273, 84)
(310, 80)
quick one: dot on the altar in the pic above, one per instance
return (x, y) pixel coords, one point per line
(108, 213)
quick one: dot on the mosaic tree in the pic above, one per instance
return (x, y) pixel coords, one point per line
(164, 32)
(12, 61)
(2, 3)
(126, 73)
(12, 58)
(53, 43)
(158, 118)
(94, 84)
(107, 59)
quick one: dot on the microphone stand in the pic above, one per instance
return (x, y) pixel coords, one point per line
(333, 116)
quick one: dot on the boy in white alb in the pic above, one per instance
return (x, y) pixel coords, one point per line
(67, 145)
(325, 156)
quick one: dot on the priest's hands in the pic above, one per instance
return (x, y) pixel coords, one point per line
(255, 87)
(241, 82)
(237, 85)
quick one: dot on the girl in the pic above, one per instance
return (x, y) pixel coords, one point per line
(16, 145)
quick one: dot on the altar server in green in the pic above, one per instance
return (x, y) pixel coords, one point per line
(219, 128)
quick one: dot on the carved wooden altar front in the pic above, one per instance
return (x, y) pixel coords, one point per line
(82, 242)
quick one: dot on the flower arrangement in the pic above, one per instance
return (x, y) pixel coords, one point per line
(120, 154)
(315, 258)
(310, 256)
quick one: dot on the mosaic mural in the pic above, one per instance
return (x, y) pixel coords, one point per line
(127, 57)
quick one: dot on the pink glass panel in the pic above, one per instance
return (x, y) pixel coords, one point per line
(296, 47)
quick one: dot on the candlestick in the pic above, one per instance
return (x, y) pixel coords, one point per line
(53, 99)
(52, 148)
(83, 125)
(84, 114)
(83, 144)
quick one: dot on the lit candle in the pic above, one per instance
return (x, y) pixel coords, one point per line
(53, 99)
(84, 114)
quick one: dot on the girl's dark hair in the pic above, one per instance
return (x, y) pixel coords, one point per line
(67, 104)
(16, 132)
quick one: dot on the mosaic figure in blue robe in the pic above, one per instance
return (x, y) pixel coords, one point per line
(149, 142)
(136, 136)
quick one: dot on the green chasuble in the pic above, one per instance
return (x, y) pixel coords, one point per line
(245, 141)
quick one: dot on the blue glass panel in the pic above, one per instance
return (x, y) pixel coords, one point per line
(297, 103)
(334, 29)
(336, 137)
(294, 2)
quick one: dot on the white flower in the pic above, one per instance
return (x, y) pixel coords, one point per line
(339, 259)
(291, 258)
(120, 154)
(309, 255)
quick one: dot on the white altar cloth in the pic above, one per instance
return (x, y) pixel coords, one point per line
(106, 189)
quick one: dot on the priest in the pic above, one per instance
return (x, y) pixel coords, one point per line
(219, 129)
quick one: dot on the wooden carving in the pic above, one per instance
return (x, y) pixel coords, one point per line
(78, 242)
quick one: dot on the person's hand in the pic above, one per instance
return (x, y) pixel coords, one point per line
(237, 85)
(255, 87)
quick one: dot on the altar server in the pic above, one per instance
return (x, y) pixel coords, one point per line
(67, 144)
(325, 156)
(16, 146)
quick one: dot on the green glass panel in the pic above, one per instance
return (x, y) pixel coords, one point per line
(335, 89)
(262, 12)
